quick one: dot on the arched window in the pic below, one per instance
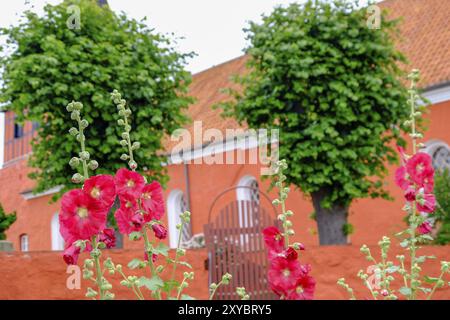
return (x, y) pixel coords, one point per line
(439, 152)
(248, 200)
(57, 239)
(176, 205)
(24, 245)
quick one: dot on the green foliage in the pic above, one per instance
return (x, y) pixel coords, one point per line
(348, 229)
(51, 65)
(6, 220)
(332, 86)
(442, 214)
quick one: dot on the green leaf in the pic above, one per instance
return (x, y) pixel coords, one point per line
(186, 264)
(135, 263)
(152, 284)
(392, 269)
(170, 285)
(405, 291)
(430, 280)
(161, 249)
(186, 297)
(135, 235)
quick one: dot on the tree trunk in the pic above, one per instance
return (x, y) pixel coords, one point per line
(330, 222)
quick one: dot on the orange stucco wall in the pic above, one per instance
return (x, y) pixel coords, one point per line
(371, 218)
(42, 275)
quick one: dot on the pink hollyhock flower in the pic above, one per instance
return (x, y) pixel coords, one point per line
(283, 273)
(128, 221)
(410, 194)
(80, 216)
(129, 182)
(153, 201)
(425, 227)
(160, 231)
(289, 254)
(108, 237)
(420, 169)
(304, 288)
(401, 178)
(428, 205)
(274, 239)
(70, 255)
(102, 189)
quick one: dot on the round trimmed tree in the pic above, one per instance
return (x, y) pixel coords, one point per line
(331, 84)
(79, 50)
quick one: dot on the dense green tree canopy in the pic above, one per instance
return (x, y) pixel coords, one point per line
(52, 64)
(332, 86)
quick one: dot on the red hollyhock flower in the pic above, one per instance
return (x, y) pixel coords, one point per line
(274, 239)
(290, 254)
(108, 237)
(70, 255)
(420, 169)
(128, 221)
(128, 202)
(410, 194)
(304, 288)
(80, 216)
(129, 182)
(283, 273)
(153, 201)
(154, 257)
(428, 205)
(425, 228)
(401, 178)
(102, 189)
(160, 231)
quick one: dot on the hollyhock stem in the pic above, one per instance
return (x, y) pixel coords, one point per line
(150, 260)
(175, 262)
(98, 269)
(436, 285)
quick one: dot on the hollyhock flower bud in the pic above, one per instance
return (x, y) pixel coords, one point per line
(137, 220)
(133, 165)
(73, 131)
(427, 203)
(84, 123)
(425, 228)
(108, 237)
(124, 157)
(70, 255)
(93, 164)
(160, 231)
(84, 155)
(123, 143)
(291, 254)
(120, 122)
(77, 178)
(136, 145)
(154, 257)
(410, 194)
(74, 162)
(384, 293)
(298, 246)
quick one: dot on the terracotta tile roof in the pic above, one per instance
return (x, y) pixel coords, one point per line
(425, 33)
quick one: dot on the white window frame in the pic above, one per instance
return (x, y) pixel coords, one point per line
(24, 243)
(57, 239)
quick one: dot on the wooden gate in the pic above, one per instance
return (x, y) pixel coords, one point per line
(235, 245)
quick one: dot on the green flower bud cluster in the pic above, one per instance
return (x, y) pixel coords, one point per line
(186, 217)
(366, 251)
(226, 278)
(341, 282)
(125, 114)
(242, 293)
(283, 192)
(83, 156)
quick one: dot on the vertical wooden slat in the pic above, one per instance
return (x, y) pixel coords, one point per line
(234, 253)
(227, 246)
